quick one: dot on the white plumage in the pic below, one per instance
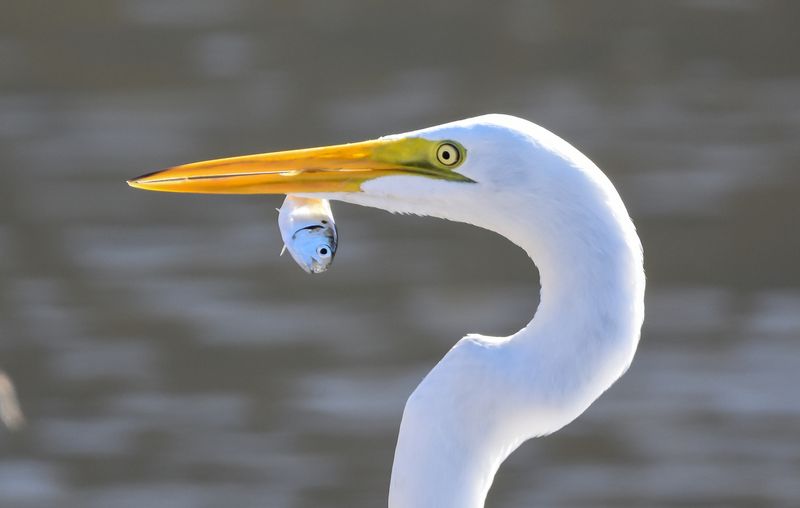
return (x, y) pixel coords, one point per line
(488, 394)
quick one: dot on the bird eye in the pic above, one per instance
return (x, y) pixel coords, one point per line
(323, 251)
(448, 154)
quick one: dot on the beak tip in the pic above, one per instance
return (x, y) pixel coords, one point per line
(140, 181)
(135, 183)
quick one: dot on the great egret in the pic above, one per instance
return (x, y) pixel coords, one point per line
(488, 394)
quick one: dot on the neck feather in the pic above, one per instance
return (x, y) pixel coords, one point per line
(490, 394)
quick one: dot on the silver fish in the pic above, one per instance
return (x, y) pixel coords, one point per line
(309, 232)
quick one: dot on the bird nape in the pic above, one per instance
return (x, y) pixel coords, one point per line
(488, 394)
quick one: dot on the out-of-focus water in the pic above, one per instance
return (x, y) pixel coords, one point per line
(166, 356)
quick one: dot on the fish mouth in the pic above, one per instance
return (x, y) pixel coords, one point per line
(317, 267)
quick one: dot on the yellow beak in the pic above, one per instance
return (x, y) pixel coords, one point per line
(339, 168)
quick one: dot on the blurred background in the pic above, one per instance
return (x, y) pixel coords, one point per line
(166, 356)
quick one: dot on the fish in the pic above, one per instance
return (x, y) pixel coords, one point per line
(308, 232)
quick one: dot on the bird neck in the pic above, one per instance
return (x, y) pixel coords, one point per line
(490, 394)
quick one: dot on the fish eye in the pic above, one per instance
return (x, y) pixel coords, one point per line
(324, 251)
(448, 154)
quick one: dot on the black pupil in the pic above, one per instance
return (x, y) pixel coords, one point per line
(445, 155)
(323, 251)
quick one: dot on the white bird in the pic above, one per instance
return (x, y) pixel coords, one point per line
(488, 394)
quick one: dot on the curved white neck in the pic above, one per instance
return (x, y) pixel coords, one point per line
(488, 395)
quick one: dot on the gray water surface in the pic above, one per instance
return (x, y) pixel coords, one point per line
(165, 356)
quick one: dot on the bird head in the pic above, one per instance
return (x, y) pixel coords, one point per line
(481, 170)
(445, 157)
